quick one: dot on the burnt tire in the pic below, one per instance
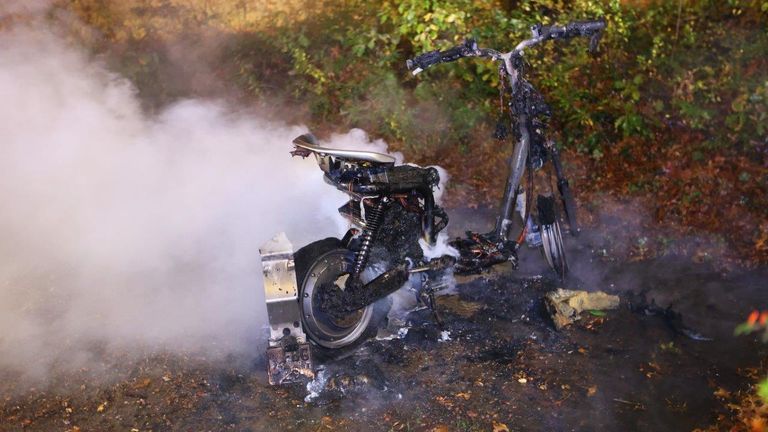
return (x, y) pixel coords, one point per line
(322, 262)
(552, 246)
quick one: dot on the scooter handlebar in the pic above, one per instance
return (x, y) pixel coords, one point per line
(423, 61)
(585, 28)
(592, 29)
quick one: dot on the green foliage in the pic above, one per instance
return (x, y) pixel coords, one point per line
(743, 329)
(659, 67)
(757, 322)
(762, 390)
(670, 347)
(697, 66)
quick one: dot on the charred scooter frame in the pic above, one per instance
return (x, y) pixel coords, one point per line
(338, 295)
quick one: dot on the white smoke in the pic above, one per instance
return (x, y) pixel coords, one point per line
(24, 7)
(121, 231)
(439, 249)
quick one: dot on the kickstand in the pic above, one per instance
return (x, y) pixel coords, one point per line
(428, 298)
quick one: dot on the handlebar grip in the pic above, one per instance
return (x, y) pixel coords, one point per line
(585, 28)
(593, 29)
(421, 62)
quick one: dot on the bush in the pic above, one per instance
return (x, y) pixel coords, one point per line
(677, 103)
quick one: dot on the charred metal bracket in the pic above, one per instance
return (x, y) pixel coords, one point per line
(481, 251)
(357, 296)
(289, 355)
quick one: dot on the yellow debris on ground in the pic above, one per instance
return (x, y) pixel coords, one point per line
(564, 306)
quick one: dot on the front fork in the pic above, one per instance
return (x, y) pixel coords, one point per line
(516, 170)
(565, 190)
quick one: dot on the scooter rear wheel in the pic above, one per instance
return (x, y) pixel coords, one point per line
(327, 262)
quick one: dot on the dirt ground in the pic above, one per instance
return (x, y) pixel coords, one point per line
(502, 366)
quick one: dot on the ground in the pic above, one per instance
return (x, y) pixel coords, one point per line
(504, 366)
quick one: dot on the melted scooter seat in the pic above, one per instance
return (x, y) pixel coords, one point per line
(309, 142)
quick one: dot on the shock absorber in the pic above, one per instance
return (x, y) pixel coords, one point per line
(372, 224)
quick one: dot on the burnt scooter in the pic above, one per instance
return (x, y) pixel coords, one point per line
(341, 285)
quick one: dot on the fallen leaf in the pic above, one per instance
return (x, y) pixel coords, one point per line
(500, 427)
(142, 384)
(757, 425)
(101, 407)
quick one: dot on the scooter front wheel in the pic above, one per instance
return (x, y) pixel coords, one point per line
(552, 244)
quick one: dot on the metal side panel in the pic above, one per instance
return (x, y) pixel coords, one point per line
(288, 353)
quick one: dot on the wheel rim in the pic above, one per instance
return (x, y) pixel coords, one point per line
(327, 331)
(554, 249)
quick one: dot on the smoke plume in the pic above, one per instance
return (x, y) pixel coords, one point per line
(120, 230)
(24, 7)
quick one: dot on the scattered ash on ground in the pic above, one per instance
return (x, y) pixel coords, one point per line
(497, 365)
